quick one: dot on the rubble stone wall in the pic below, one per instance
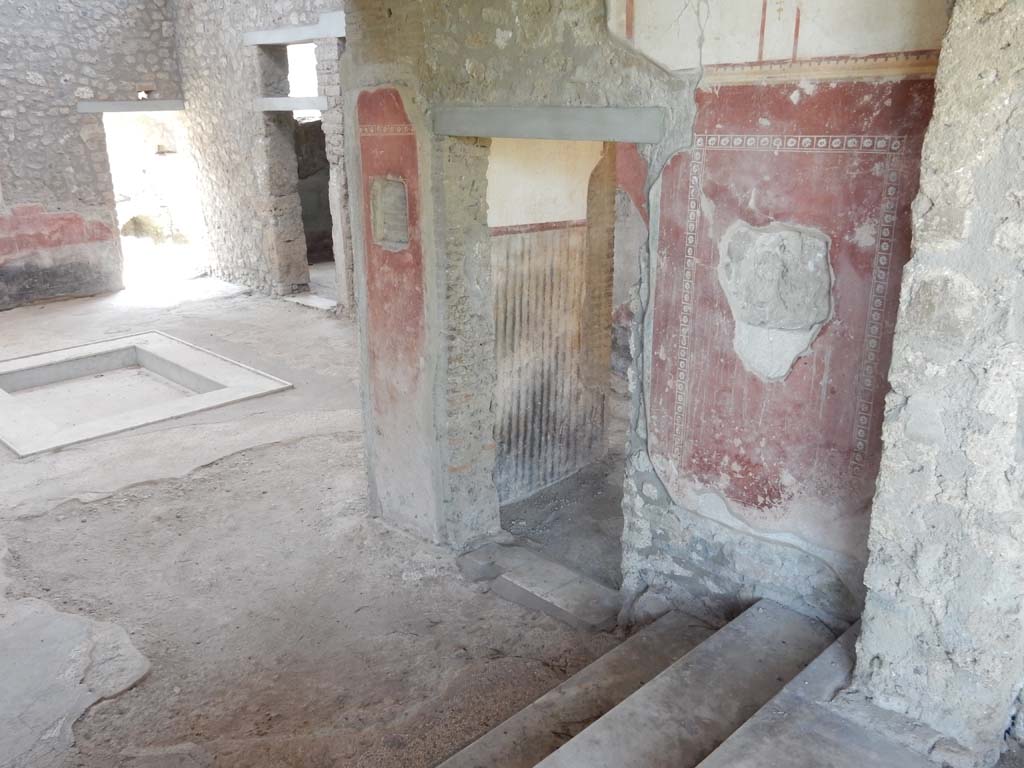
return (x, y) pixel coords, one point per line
(945, 609)
(58, 226)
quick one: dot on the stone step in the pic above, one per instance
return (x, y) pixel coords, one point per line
(686, 712)
(528, 737)
(525, 577)
(800, 728)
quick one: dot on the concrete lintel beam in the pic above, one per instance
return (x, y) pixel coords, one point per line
(642, 125)
(290, 103)
(329, 25)
(139, 105)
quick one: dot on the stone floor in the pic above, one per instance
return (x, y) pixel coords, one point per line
(323, 288)
(323, 280)
(1014, 758)
(578, 522)
(231, 553)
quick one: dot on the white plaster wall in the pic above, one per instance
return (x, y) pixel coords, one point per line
(669, 31)
(533, 182)
(865, 27)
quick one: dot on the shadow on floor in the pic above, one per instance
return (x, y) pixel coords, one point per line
(578, 522)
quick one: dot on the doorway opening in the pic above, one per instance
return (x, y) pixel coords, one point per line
(314, 183)
(160, 218)
(561, 408)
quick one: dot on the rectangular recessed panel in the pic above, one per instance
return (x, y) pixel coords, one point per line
(75, 401)
(18, 379)
(68, 396)
(389, 209)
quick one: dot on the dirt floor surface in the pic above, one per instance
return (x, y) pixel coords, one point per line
(284, 625)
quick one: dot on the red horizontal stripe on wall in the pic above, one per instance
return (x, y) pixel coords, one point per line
(543, 226)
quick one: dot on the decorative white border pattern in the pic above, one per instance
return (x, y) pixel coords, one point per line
(891, 147)
(903, 64)
(693, 215)
(882, 145)
(390, 129)
(868, 373)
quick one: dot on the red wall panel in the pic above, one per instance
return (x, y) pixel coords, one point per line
(798, 455)
(28, 229)
(395, 306)
(400, 421)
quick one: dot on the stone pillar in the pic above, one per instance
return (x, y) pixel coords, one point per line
(328, 59)
(469, 450)
(597, 336)
(943, 637)
(284, 240)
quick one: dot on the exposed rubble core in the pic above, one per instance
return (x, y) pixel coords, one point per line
(944, 613)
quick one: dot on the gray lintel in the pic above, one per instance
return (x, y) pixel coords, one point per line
(642, 125)
(138, 105)
(329, 25)
(291, 103)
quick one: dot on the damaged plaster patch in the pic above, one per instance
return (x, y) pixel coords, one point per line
(866, 235)
(778, 282)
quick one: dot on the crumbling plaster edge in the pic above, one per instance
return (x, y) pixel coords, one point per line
(639, 462)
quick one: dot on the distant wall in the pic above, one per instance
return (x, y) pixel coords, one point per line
(246, 158)
(58, 227)
(154, 176)
(534, 182)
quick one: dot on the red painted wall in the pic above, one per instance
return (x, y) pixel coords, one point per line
(394, 278)
(28, 229)
(799, 455)
(395, 322)
(49, 255)
(631, 176)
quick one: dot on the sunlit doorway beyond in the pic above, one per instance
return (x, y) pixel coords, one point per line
(163, 233)
(167, 274)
